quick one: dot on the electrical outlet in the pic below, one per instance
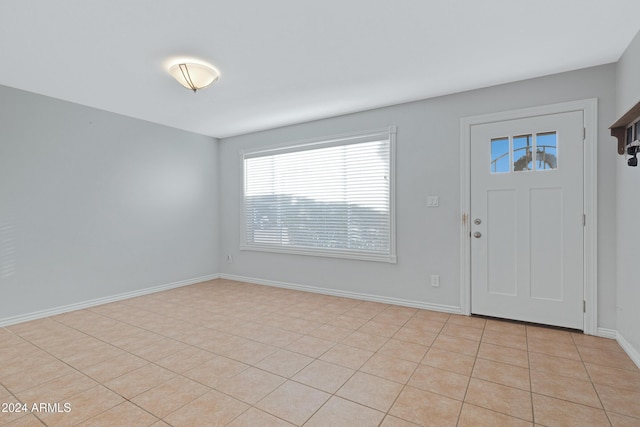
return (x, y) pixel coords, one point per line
(433, 201)
(435, 280)
(229, 258)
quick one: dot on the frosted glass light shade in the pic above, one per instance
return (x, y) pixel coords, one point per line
(194, 76)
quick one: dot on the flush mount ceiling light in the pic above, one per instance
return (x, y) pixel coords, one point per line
(194, 76)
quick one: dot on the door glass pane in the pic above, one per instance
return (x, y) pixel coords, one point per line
(522, 153)
(546, 151)
(500, 155)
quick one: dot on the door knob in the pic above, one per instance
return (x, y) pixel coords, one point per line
(477, 234)
(477, 221)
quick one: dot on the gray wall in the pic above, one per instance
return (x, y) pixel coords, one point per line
(628, 206)
(94, 204)
(427, 164)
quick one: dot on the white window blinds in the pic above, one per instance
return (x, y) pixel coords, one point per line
(332, 197)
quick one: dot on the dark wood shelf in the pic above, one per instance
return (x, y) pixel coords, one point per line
(619, 128)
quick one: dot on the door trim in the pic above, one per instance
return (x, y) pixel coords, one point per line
(589, 108)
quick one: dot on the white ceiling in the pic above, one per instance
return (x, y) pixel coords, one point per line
(290, 61)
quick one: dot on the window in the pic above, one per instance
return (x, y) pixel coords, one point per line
(330, 197)
(527, 152)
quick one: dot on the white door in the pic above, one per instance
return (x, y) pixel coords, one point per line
(527, 219)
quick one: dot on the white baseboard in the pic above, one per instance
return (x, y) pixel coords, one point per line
(346, 294)
(607, 333)
(633, 352)
(99, 301)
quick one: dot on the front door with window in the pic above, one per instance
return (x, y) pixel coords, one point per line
(527, 219)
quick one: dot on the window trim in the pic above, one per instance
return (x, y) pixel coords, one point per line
(321, 142)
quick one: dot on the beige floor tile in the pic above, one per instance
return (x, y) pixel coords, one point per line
(255, 417)
(404, 350)
(396, 315)
(496, 397)
(461, 331)
(284, 363)
(456, 345)
(390, 368)
(502, 354)
(518, 341)
(277, 337)
(570, 389)
(425, 408)
(365, 341)
(550, 411)
(125, 414)
(82, 357)
(18, 364)
(331, 333)
(621, 401)
(186, 359)
(553, 348)
(216, 408)
(379, 328)
(618, 378)
(549, 334)
(473, 416)
(348, 322)
(338, 412)
(440, 381)
(432, 316)
(415, 336)
(28, 377)
(613, 359)
(299, 326)
(367, 309)
(324, 376)
(310, 346)
(83, 406)
(4, 393)
(558, 366)
(506, 327)
(28, 420)
(425, 324)
(467, 321)
(216, 370)
(596, 342)
(454, 362)
(115, 367)
(370, 391)
(293, 402)
(58, 389)
(347, 356)
(391, 421)
(250, 385)
(14, 415)
(371, 355)
(160, 349)
(17, 347)
(138, 340)
(135, 382)
(618, 420)
(248, 351)
(502, 373)
(170, 396)
(219, 342)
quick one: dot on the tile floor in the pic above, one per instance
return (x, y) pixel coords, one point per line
(236, 354)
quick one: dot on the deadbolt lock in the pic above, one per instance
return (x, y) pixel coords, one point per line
(477, 221)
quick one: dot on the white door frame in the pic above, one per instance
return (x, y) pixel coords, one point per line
(589, 108)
